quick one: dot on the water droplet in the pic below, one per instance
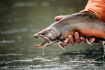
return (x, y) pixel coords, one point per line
(43, 52)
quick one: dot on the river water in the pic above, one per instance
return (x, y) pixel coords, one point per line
(21, 19)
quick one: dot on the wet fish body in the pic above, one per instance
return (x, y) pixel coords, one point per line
(87, 24)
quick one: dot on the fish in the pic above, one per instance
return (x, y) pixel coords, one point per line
(87, 24)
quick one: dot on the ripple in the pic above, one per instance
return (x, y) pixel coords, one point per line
(49, 64)
(10, 54)
(42, 59)
(7, 41)
(23, 4)
(12, 31)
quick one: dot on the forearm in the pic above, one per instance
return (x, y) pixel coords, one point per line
(97, 7)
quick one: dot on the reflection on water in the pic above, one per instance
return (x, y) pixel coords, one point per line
(20, 19)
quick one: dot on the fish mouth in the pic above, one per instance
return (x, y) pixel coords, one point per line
(45, 41)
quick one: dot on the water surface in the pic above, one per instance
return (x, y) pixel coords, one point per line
(21, 19)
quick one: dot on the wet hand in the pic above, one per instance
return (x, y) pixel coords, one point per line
(77, 39)
(57, 18)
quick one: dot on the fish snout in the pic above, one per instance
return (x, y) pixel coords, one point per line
(36, 35)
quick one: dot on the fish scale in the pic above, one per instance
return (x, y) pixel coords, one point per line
(87, 24)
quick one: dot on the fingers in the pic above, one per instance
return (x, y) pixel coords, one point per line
(82, 39)
(69, 40)
(77, 37)
(57, 18)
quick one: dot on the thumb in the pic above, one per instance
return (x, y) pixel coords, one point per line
(57, 18)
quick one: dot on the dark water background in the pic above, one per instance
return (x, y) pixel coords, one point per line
(21, 19)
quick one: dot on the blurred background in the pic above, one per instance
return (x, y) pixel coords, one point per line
(20, 20)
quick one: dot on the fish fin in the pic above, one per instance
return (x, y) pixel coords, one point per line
(61, 45)
(88, 42)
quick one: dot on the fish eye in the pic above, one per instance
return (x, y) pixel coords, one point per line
(49, 30)
(42, 33)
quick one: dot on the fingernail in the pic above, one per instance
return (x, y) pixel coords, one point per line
(70, 39)
(66, 40)
(82, 38)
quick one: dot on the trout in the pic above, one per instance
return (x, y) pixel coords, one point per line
(87, 24)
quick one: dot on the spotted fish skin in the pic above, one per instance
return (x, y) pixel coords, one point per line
(87, 24)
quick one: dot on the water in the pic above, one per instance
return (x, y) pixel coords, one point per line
(41, 62)
(21, 19)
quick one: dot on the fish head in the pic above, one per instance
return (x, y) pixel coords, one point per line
(48, 36)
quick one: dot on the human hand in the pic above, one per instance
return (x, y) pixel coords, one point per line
(75, 38)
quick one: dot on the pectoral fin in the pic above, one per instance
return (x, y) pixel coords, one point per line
(88, 42)
(62, 45)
